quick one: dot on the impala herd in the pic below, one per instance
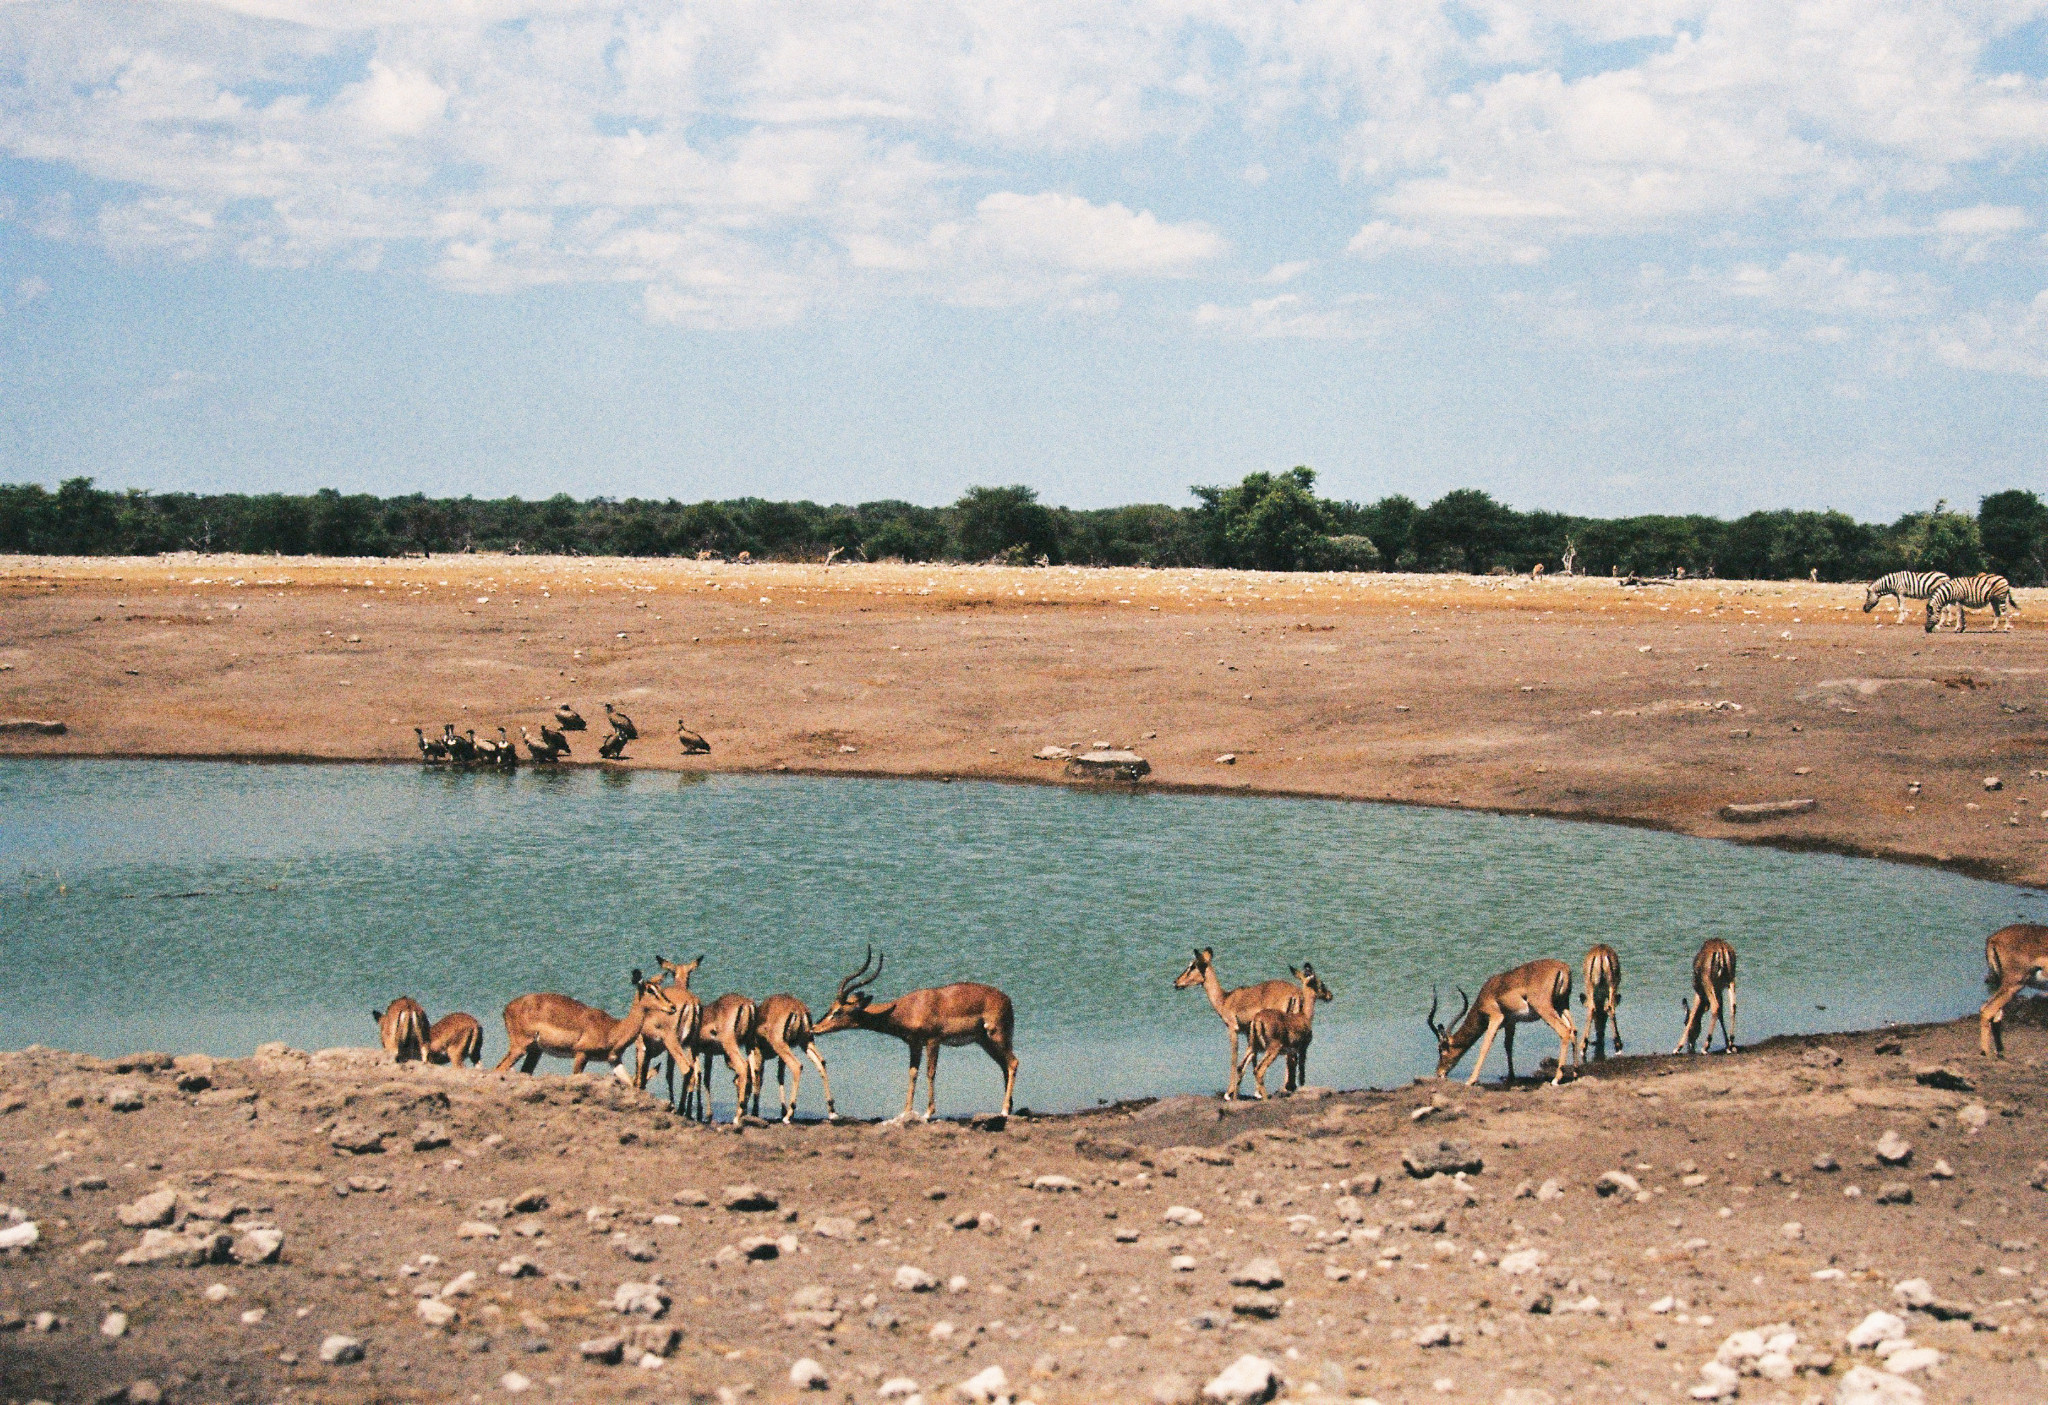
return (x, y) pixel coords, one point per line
(1267, 1022)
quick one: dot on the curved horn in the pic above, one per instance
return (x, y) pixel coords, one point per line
(1467, 1005)
(1430, 1018)
(853, 982)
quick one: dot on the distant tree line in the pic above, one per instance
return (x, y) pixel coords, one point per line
(1269, 521)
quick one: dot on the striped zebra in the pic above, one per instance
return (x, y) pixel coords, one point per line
(1902, 586)
(1972, 593)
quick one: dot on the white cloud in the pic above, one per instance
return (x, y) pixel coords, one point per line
(396, 103)
(1066, 231)
(2006, 338)
(1291, 317)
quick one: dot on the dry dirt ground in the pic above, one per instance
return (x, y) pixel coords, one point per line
(470, 1232)
(1568, 697)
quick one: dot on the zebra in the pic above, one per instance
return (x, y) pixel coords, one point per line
(1902, 586)
(1972, 593)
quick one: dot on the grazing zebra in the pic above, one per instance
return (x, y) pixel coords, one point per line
(1972, 593)
(1902, 586)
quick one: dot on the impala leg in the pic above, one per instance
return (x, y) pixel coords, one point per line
(831, 1112)
(757, 1064)
(513, 1052)
(1236, 1068)
(1690, 1035)
(1492, 1028)
(1259, 1070)
(1614, 1013)
(576, 1064)
(931, 1079)
(910, 1095)
(1728, 1044)
(1561, 1021)
(787, 1059)
(1006, 1060)
(1508, 1044)
(1991, 1019)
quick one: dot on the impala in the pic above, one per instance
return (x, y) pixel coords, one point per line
(964, 1013)
(783, 1028)
(1713, 997)
(725, 1026)
(1290, 1032)
(1236, 1007)
(456, 1039)
(546, 1023)
(1541, 990)
(674, 1034)
(402, 1028)
(1602, 997)
(2017, 957)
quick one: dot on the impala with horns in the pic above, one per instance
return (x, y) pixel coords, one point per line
(1274, 1033)
(1602, 999)
(546, 1023)
(455, 1038)
(1713, 997)
(1236, 1007)
(402, 1029)
(2015, 957)
(1541, 990)
(964, 1013)
(784, 1026)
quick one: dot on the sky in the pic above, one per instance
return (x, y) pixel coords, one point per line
(1604, 256)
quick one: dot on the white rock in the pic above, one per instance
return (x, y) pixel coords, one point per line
(1182, 1263)
(513, 1382)
(460, 1286)
(1775, 1366)
(1612, 1181)
(1434, 1334)
(1974, 1117)
(1550, 1190)
(218, 1292)
(1183, 1215)
(1717, 1382)
(1663, 1304)
(1877, 1327)
(911, 1279)
(338, 1350)
(1913, 1358)
(806, 1374)
(1349, 1209)
(1740, 1347)
(114, 1324)
(1522, 1261)
(986, 1386)
(1893, 1149)
(897, 1387)
(1863, 1386)
(1056, 1184)
(957, 1283)
(1792, 1229)
(19, 1236)
(1913, 1292)
(1249, 1380)
(646, 1299)
(434, 1312)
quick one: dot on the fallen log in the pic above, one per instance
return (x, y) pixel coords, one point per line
(19, 725)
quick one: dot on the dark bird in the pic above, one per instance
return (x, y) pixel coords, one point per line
(431, 751)
(621, 723)
(540, 751)
(613, 747)
(557, 743)
(508, 754)
(461, 747)
(485, 751)
(692, 743)
(568, 718)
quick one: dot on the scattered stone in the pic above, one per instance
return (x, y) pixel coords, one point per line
(357, 1138)
(1109, 764)
(338, 1350)
(1893, 1149)
(986, 1386)
(156, 1208)
(1259, 1273)
(1228, 758)
(834, 1227)
(114, 1324)
(1877, 1327)
(1052, 753)
(124, 1097)
(911, 1279)
(1058, 1185)
(605, 1351)
(1942, 1171)
(1718, 1380)
(435, 1313)
(1184, 1215)
(530, 1201)
(1614, 1182)
(1826, 1163)
(644, 1299)
(1249, 1380)
(650, 1339)
(1993, 783)
(1436, 1334)
(259, 1244)
(1911, 1359)
(144, 1392)
(476, 1229)
(429, 1136)
(22, 1236)
(806, 1374)
(1263, 1306)
(1550, 1190)
(747, 1198)
(1973, 1118)
(163, 1246)
(643, 1251)
(1442, 1159)
(1863, 1386)
(518, 1266)
(1895, 1193)
(1522, 1261)
(514, 1382)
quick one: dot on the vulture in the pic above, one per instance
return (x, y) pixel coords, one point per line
(557, 743)
(568, 718)
(613, 747)
(692, 743)
(485, 750)
(538, 750)
(462, 748)
(436, 750)
(621, 723)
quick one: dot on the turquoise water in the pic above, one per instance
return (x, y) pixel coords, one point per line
(201, 906)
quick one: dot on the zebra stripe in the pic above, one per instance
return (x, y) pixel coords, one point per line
(1972, 593)
(1902, 586)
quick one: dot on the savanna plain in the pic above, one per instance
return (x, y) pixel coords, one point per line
(1768, 1225)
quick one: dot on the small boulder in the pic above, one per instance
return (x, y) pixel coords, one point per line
(156, 1208)
(258, 1245)
(1259, 1273)
(434, 1312)
(338, 1350)
(604, 1351)
(1058, 1185)
(1249, 1380)
(640, 1299)
(1893, 1149)
(986, 1387)
(1863, 1386)
(355, 1138)
(1442, 1159)
(747, 1198)
(807, 1374)
(911, 1279)
(1617, 1182)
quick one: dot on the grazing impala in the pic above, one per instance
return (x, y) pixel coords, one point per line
(546, 1023)
(784, 1027)
(1236, 1007)
(1713, 997)
(1541, 990)
(2017, 957)
(456, 1039)
(402, 1028)
(1290, 1032)
(1602, 997)
(965, 1013)
(673, 1034)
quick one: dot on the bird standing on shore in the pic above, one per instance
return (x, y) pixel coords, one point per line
(557, 743)
(568, 718)
(621, 723)
(692, 743)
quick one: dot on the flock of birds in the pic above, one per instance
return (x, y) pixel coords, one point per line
(465, 748)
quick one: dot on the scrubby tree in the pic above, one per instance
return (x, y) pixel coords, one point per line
(2013, 527)
(1941, 540)
(991, 522)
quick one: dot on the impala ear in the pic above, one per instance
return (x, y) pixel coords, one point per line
(376, 1017)
(638, 979)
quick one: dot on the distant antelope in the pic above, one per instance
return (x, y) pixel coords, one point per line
(1713, 997)
(1602, 999)
(546, 1023)
(783, 1028)
(2017, 956)
(402, 1028)
(1235, 1007)
(1289, 1032)
(1541, 990)
(456, 1038)
(963, 1013)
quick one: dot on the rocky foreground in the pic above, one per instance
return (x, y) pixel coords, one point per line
(1845, 1219)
